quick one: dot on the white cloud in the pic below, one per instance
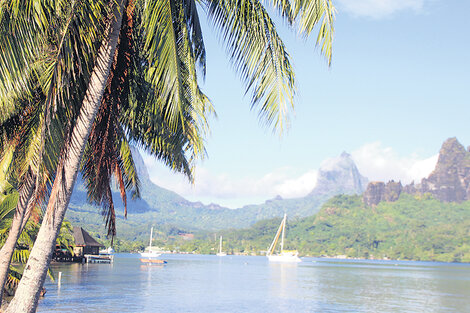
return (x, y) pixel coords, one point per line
(232, 191)
(297, 187)
(379, 8)
(382, 163)
(373, 161)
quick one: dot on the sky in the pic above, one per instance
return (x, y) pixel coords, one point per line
(397, 88)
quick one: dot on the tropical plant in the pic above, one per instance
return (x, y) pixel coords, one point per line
(171, 47)
(27, 164)
(20, 255)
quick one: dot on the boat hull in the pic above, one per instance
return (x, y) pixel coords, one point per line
(284, 258)
(150, 254)
(153, 261)
(221, 254)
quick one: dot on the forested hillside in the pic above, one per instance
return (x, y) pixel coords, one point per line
(413, 228)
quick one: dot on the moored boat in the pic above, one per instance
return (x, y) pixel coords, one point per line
(150, 252)
(153, 261)
(283, 255)
(221, 253)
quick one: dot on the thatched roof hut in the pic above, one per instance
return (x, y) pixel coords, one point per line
(84, 243)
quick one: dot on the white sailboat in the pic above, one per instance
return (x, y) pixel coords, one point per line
(150, 252)
(221, 253)
(284, 255)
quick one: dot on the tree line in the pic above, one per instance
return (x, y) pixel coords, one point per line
(413, 228)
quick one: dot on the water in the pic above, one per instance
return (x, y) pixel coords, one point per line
(197, 283)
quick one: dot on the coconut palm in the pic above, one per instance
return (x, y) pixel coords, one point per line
(161, 145)
(18, 167)
(26, 239)
(172, 47)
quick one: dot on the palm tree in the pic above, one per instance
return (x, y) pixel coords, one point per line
(161, 145)
(26, 239)
(172, 46)
(20, 166)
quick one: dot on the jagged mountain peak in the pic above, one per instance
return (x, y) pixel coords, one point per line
(452, 152)
(339, 175)
(448, 182)
(343, 161)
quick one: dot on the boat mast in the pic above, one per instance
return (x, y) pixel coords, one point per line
(283, 231)
(276, 238)
(150, 244)
(220, 248)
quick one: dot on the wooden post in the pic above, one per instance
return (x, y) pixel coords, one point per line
(59, 280)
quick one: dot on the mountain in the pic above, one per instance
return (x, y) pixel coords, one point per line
(160, 206)
(339, 176)
(335, 176)
(449, 182)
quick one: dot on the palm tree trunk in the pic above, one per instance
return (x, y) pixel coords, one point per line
(24, 199)
(27, 294)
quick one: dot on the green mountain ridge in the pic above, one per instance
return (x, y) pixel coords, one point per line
(411, 228)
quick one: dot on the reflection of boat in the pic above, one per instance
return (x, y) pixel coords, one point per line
(284, 255)
(150, 252)
(153, 261)
(221, 253)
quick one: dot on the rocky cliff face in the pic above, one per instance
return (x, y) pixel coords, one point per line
(449, 182)
(339, 176)
(374, 192)
(379, 191)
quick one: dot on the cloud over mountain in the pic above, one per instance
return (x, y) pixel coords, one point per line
(373, 160)
(382, 164)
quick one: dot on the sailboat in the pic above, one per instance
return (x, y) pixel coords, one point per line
(221, 253)
(284, 255)
(150, 252)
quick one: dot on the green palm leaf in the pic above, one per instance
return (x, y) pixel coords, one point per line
(258, 54)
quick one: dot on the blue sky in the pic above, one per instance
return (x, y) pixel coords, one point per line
(397, 88)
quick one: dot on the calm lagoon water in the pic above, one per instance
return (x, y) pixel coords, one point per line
(203, 283)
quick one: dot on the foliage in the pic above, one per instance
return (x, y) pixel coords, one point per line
(412, 228)
(26, 239)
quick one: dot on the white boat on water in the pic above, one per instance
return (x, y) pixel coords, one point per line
(221, 253)
(283, 255)
(151, 252)
(107, 251)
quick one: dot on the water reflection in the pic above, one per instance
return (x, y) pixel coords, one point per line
(283, 277)
(191, 283)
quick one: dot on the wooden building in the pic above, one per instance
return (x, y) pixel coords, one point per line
(84, 243)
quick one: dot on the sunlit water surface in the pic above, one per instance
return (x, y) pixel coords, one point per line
(203, 283)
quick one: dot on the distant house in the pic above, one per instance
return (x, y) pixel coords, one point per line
(186, 236)
(84, 243)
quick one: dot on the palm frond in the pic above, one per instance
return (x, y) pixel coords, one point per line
(259, 55)
(174, 108)
(20, 255)
(13, 280)
(307, 15)
(22, 29)
(103, 157)
(167, 26)
(8, 201)
(311, 13)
